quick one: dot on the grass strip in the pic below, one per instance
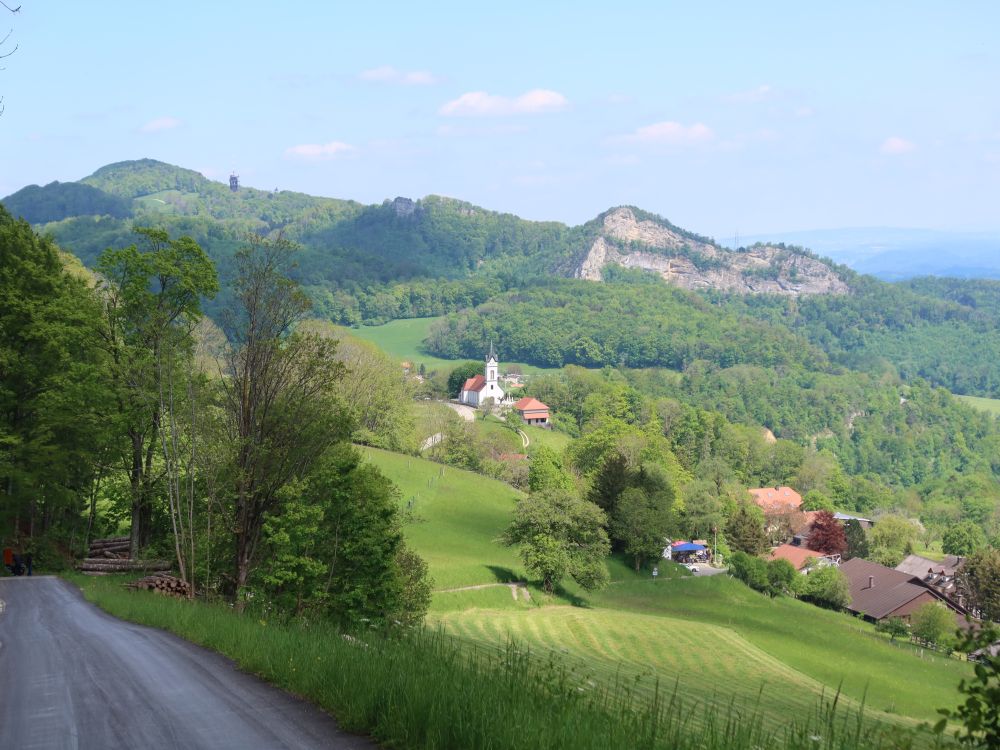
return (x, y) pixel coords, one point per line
(428, 690)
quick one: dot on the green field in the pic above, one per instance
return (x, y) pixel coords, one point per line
(714, 638)
(989, 405)
(403, 339)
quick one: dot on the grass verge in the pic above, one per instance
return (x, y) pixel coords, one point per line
(427, 690)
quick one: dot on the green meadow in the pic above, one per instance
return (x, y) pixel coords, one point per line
(711, 637)
(988, 405)
(403, 340)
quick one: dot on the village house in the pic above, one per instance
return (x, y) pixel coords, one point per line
(941, 576)
(775, 500)
(532, 411)
(878, 592)
(800, 557)
(479, 390)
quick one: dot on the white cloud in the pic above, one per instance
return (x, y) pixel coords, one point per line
(894, 145)
(754, 96)
(160, 124)
(389, 74)
(479, 103)
(671, 133)
(319, 151)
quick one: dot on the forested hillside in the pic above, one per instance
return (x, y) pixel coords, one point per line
(503, 277)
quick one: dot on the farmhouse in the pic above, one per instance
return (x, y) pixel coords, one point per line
(777, 500)
(532, 411)
(476, 391)
(940, 576)
(878, 592)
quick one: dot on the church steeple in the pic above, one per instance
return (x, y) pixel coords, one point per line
(492, 355)
(492, 373)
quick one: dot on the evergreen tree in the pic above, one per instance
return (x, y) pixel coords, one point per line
(745, 530)
(857, 540)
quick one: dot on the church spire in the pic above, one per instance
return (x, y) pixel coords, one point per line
(492, 355)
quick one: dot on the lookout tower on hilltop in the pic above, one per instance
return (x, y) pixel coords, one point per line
(234, 182)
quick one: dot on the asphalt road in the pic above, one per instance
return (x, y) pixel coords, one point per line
(72, 676)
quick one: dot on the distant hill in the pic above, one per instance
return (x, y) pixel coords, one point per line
(349, 246)
(895, 254)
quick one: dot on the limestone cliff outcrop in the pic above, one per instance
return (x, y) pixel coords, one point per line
(695, 263)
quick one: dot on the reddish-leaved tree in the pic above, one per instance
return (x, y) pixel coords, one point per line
(827, 535)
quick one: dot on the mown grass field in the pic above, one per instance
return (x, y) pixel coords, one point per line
(989, 405)
(714, 637)
(454, 518)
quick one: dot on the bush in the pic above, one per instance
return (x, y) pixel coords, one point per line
(828, 587)
(934, 622)
(894, 627)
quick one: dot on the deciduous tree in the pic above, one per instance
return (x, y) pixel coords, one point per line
(827, 535)
(560, 535)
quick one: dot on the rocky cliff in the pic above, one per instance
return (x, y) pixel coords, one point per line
(625, 240)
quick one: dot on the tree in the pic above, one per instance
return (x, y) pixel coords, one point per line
(460, 374)
(559, 535)
(642, 522)
(750, 569)
(828, 587)
(546, 472)
(857, 541)
(279, 393)
(894, 627)
(827, 535)
(980, 713)
(980, 577)
(933, 622)
(963, 539)
(891, 539)
(3, 42)
(153, 296)
(54, 429)
(816, 500)
(782, 577)
(745, 530)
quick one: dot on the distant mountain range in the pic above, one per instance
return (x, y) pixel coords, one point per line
(894, 254)
(350, 246)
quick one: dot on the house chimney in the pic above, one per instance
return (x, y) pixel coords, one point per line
(871, 582)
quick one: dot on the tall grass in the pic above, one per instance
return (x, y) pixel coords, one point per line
(427, 690)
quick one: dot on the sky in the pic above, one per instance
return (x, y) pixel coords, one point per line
(723, 117)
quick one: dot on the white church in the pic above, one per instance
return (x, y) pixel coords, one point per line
(478, 389)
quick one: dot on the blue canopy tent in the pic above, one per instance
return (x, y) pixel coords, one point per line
(688, 547)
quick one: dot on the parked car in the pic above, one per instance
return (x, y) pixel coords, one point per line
(692, 567)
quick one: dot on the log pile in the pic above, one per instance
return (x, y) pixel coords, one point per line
(112, 556)
(101, 565)
(116, 548)
(162, 583)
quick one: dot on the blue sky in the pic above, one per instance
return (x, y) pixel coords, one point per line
(723, 117)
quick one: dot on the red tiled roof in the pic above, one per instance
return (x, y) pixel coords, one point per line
(475, 384)
(776, 499)
(530, 404)
(797, 556)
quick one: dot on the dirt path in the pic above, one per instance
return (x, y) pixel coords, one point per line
(515, 587)
(465, 412)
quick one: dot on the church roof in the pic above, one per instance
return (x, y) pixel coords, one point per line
(492, 355)
(475, 384)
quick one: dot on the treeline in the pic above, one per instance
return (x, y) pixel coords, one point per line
(618, 324)
(113, 413)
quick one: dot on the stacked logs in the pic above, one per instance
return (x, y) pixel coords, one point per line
(112, 556)
(116, 548)
(162, 583)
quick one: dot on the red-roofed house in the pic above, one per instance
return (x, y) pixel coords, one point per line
(532, 410)
(777, 499)
(800, 556)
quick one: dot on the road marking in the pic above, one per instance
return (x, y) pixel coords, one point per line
(3, 605)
